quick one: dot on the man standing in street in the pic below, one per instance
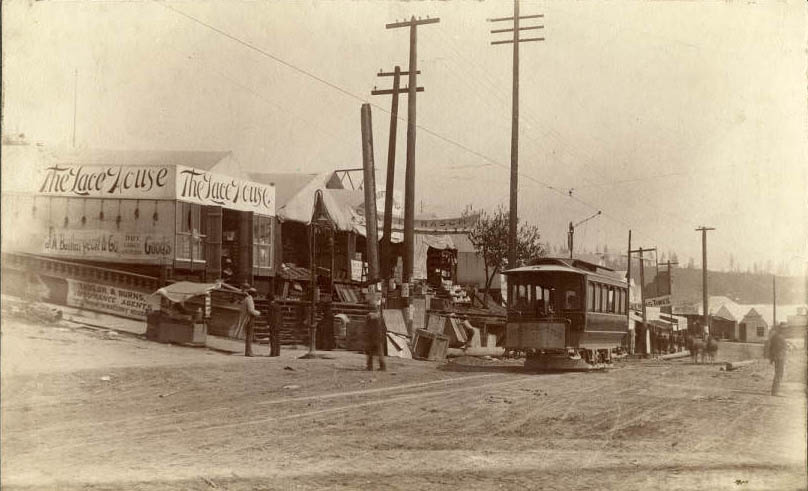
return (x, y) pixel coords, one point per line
(778, 349)
(247, 317)
(374, 334)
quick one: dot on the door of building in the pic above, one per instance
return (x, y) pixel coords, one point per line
(214, 243)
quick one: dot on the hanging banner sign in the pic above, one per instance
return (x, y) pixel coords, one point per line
(439, 225)
(663, 301)
(122, 181)
(101, 244)
(103, 298)
(205, 188)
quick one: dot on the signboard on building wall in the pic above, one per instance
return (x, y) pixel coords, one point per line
(663, 301)
(101, 181)
(113, 246)
(205, 188)
(156, 182)
(103, 298)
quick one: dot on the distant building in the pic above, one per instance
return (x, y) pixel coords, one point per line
(753, 328)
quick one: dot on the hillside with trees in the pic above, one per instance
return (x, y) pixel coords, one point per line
(743, 288)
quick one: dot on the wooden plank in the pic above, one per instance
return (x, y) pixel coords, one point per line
(394, 321)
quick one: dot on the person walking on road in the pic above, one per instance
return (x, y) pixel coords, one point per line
(778, 349)
(246, 319)
(374, 335)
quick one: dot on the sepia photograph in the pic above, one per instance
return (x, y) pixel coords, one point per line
(404, 245)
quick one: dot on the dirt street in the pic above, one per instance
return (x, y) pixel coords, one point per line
(81, 409)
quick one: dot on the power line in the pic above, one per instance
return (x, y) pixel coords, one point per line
(350, 94)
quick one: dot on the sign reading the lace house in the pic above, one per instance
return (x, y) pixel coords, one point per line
(172, 182)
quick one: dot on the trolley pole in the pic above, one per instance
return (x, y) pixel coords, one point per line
(704, 298)
(514, 217)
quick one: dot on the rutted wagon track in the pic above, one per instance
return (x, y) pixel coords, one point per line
(245, 423)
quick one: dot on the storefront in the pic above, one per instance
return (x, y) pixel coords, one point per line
(163, 220)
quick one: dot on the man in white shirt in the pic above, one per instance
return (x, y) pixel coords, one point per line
(246, 318)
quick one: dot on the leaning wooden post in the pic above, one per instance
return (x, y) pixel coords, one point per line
(370, 196)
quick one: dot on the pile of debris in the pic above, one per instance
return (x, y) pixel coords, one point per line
(453, 335)
(30, 310)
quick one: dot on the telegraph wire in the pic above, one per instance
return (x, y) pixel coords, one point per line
(550, 187)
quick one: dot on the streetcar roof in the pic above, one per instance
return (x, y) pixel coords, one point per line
(566, 265)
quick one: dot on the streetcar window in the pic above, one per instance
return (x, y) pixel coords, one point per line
(603, 298)
(571, 300)
(622, 305)
(521, 301)
(618, 298)
(610, 305)
(591, 295)
(597, 297)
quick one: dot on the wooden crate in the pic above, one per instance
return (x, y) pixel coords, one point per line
(429, 345)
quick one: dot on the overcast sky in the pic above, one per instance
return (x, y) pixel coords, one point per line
(665, 115)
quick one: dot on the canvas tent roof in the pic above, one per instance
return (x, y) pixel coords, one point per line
(300, 207)
(287, 184)
(183, 290)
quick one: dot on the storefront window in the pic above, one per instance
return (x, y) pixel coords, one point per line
(262, 245)
(191, 233)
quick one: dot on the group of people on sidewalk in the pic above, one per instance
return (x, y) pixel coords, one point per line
(375, 332)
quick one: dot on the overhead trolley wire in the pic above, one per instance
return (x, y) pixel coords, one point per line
(263, 52)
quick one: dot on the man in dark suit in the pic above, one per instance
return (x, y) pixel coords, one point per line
(778, 350)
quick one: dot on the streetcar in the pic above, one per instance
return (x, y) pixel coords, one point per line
(566, 314)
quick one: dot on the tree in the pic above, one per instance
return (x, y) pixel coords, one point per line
(489, 236)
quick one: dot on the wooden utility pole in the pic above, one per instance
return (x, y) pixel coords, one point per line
(670, 281)
(628, 276)
(642, 291)
(514, 217)
(704, 297)
(391, 163)
(370, 195)
(670, 263)
(409, 182)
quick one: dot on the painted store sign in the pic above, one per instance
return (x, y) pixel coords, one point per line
(103, 298)
(157, 182)
(139, 182)
(136, 247)
(205, 188)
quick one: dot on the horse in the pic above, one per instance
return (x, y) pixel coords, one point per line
(696, 346)
(711, 348)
